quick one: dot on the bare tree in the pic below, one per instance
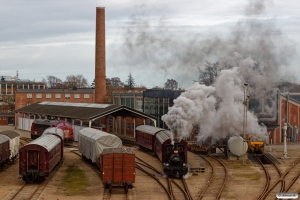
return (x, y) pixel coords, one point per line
(171, 84)
(114, 82)
(8, 102)
(75, 81)
(209, 74)
(52, 82)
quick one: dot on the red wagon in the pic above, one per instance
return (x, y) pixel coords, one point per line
(117, 167)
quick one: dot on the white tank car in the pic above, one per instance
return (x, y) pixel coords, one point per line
(236, 147)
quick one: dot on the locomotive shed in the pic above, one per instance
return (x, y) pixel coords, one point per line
(84, 112)
(244, 182)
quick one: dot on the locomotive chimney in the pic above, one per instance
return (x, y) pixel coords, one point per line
(100, 74)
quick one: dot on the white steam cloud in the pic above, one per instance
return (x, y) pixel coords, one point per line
(218, 110)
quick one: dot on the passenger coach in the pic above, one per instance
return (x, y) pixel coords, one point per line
(38, 158)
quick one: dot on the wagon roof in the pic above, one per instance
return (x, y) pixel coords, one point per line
(3, 138)
(149, 129)
(163, 136)
(85, 111)
(118, 150)
(10, 134)
(54, 130)
(46, 141)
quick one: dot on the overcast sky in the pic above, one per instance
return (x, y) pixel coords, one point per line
(154, 40)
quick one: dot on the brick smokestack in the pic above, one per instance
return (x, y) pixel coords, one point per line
(100, 72)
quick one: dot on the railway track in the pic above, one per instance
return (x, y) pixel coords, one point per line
(24, 141)
(107, 194)
(217, 179)
(176, 189)
(269, 187)
(168, 194)
(31, 190)
(181, 190)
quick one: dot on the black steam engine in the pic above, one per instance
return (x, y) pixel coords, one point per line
(172, 156)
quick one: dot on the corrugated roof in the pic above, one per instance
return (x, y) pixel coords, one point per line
(82, 110)
(46, 141)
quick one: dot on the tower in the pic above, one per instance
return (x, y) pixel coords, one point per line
(100, 72)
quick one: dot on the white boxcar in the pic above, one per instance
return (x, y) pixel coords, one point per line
(14, 142)
(92, 142)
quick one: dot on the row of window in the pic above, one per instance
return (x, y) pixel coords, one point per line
(57, 96)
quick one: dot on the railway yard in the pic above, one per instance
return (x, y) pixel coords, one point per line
(223, 178)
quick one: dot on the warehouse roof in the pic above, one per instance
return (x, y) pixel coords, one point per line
(86, 111)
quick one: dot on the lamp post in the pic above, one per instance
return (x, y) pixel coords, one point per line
(284, 142)
(244, 121)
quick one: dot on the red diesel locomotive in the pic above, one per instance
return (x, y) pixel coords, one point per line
(40, 125)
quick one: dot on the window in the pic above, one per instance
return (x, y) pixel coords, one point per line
(86, 96)
(67, 96)
(48, 96)
(76, 96)
(29, 95)
(127, 125)
(38, 96)
(57, 96)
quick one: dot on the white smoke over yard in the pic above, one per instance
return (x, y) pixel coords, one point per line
(198, 107)
(252, 53)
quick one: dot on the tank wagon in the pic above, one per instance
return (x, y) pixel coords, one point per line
(38, 158)
(14, 143)
(38, 127)
(172, 156)
(4, 150)
(117, 164)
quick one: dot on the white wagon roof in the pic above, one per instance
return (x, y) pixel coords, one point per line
(54, 130)
(3, 139)
(47, 141)
(92, 142)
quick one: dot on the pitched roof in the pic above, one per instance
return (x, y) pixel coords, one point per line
(82, 110)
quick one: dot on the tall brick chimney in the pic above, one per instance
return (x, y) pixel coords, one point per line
(100, 72)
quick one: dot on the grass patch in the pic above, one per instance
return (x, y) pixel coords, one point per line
(253, 176)
(75, 181)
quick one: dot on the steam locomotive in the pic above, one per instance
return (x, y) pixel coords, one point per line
(158, 140)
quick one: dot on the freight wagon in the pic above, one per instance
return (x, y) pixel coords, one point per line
(14, 143)
(118, 167)
(4, 150)
(38, 158)
(117, 164)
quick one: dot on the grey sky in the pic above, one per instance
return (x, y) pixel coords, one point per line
(40, 38)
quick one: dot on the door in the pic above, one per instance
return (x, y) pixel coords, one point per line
(33, 160)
